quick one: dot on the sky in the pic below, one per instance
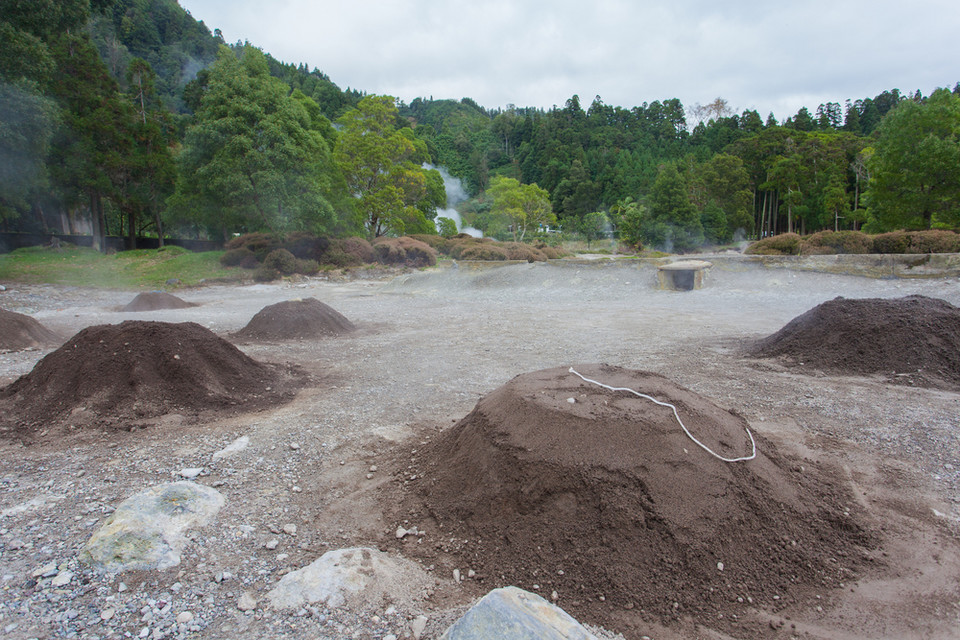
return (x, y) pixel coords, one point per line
(768, 55)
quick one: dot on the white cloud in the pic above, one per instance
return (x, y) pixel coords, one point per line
(768, 56)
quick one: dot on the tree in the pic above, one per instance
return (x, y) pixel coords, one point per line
(527, 206)
(915, 168)
(252, 159)
(594, 226)
(628, 216)
(383, 169)
(28, 120)
(674, 223)
(726, 184)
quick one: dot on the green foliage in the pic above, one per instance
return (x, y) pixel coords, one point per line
(595, 225)
(525, 206)
(446, 227)
(628, 216)
(382, 168)
(282, 261)
(674, 222)
(306, 267)
(915, 170)
(265, 274)
(253, 159)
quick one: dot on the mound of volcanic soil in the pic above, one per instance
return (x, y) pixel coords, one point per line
(156, 300)
(914, 339)
(605, 500)
(136, 370)
(295, 319)
(19, 332)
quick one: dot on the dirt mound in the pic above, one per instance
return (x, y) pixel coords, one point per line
(914, 339)
(19, 332)
(606, 501)
(295, 319)
(156, 300)
(116, 374)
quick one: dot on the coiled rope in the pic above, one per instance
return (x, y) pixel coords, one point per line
(753, 443)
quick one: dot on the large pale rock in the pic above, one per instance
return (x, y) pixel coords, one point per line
(516, 614)
(361, 577)
(146, 531)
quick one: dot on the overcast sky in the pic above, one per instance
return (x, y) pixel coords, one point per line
(768, 55)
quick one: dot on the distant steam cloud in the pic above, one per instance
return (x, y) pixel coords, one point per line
(455, 195)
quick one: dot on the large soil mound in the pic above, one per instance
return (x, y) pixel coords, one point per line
(137, 370)
(295, 319)
(19, 332)
(914, 339)
(156, 300)
(605, 500)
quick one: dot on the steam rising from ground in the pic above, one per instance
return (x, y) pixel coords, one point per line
(455, 195)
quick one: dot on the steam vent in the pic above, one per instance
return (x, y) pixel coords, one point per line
(685, 275)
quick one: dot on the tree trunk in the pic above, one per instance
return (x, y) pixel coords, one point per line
(95, 220)
(159, 223)
(132, 229)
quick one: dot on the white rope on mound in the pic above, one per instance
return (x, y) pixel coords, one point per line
(753, 443)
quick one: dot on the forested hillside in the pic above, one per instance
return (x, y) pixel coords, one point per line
(129, 117)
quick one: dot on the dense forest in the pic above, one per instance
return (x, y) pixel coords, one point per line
(130, 118)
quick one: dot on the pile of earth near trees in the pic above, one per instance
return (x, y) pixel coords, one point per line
(19, 332)
(597, 498)
(295, 319)
(156, 300)
(112, 376)
(913, 340)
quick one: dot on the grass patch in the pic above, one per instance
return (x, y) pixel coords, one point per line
(142, 268)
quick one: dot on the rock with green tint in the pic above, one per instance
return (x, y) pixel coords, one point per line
(516, 614)
(146, 531)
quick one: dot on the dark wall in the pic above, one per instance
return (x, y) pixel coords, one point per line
(11, 241)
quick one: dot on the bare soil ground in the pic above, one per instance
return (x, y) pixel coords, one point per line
(344, 455)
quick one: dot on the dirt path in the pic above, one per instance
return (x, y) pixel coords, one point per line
(429, 345)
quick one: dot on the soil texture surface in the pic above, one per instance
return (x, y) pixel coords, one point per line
(912, 340)
(19, 332)
(156, 300)
(442, 432)
(603, 497)
(295, 319)
(116, 375)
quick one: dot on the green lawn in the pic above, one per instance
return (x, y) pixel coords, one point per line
(124, 270)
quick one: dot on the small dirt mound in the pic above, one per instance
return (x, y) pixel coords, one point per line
(19, 332)
(913, 340)
(115, 374)
(606, 496)
(295, 319)
(156, 300)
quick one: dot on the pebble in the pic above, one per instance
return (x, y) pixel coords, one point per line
(272, 544)
(15, 544)
(107, 614)
(247, 602)
(418, 626)
(191, 473)
(62, 578)
(290, 529)
(185, 617)
(294, 446)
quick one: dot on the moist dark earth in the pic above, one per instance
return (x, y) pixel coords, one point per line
(448, 410)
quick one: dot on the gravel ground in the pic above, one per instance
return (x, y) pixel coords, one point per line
(429, 345)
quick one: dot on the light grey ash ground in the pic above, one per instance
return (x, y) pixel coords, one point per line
(430, 344)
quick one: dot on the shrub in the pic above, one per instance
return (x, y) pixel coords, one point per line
(265, 274)
(441, 244)
(551, 251)
(241, 257)
(464, 241)
(934, 241)
(306, 267)
(785, 244)
(260, 243)
(406, 251)
(359, 248)
(831, 242)
(281, 260)
(483, 251)
(892, 242)
(521, 251)
(306, 246)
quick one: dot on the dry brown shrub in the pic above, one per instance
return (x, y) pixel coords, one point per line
(785, 244)
(483, 251)
(406, 251)
(835, 242)
(521, 251)
(934, 241)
